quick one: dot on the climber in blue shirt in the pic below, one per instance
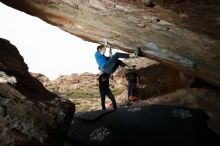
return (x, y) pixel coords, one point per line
(108, 65)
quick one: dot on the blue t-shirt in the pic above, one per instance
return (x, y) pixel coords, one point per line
(100, 59)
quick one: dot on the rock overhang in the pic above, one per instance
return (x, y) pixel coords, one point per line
(182, 34)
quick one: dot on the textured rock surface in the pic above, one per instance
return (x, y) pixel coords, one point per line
(181, 33)
(42, 78)
(205, 99)
(29, 113)
(154, 78)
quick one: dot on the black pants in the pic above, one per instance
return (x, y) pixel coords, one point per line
(119, 63)
(132, 89)
(107, 92)
(113, 63)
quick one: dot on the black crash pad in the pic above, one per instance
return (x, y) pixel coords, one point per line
(142, 126)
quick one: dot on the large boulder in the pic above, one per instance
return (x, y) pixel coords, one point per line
(29, 113)
(154, 78)
(205, 99)
(183, 34)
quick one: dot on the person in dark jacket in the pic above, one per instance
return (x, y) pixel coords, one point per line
(105, 90)
(132, 78)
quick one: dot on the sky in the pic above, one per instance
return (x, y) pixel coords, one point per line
(46, 49)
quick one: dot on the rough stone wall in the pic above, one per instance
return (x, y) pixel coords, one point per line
(30, 114)
(154, 78)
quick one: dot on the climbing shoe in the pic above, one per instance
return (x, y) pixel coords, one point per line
(133, 98)
(137, 52)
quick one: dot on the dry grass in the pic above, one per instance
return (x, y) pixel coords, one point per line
(88, 100)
